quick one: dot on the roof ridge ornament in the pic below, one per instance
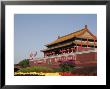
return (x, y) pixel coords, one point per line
(85, 26)
(58, 37)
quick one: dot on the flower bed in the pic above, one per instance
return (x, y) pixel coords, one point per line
(71, 74)
(36, 74)
(51, 74)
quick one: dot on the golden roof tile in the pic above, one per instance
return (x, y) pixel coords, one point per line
(72, 35)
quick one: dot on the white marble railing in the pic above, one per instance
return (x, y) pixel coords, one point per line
(73, 53)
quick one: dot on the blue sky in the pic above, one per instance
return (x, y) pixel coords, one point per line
(33, 31)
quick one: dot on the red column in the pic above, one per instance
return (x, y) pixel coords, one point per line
(72, 49)
(81, 45)
(87, 42)
(61, 51)
(94, 43)
(67, 50)
(50, 53)
(53, 53)
(64, 50)
(76, 47)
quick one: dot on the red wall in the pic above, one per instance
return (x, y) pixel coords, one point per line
(85, 59)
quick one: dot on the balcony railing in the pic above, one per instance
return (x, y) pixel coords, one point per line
(72, 53)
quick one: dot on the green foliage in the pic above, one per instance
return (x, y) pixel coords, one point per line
(67, 66)
(24, 63)
(36, 69)
(57, 69)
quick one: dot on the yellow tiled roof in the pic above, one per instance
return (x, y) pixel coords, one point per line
(71, 35)
(66, 44)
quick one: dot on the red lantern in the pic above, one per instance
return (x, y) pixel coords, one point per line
(81, 43)
(68, 50)
(63, 51)
(71, 49)
(52, 53)
(60, 51)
